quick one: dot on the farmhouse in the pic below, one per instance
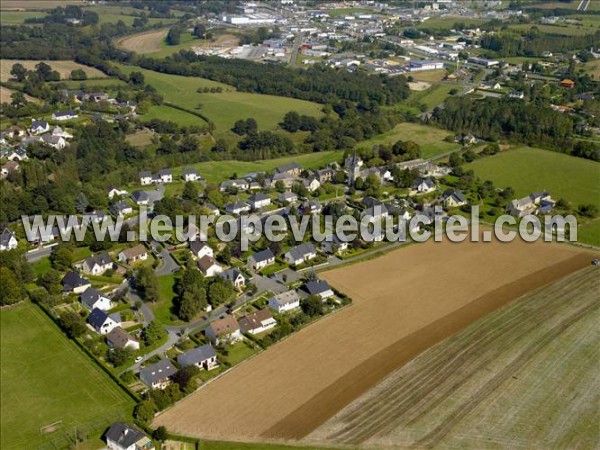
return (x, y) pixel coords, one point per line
(237, 207)
(8, 241)
(262, 259)
(102, 322)
(133, 254)
(454, 198)
(97, 265)
(64, 115)
(257, 322)
(292, 169)
(121, 436)
(224, 330)
(201, 249)
(145, 177)
(140, 198)
(311, 184)
(300, 254)
(119, 338)
(320, 288)
(92, 299)
(235, 277)
(259, 200)
(284, 302)
(190, 175)
(209, 267)
(325, 175)
(73, 283)
(158, 375)
(203, 357)
(537, 202)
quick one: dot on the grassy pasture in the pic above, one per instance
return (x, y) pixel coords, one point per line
(63, 67)
(433, 96)
(429, 138)
(225, 108)
(165, 112)
(567, 30)
(18, 17)
(45, 379)
(447, 23)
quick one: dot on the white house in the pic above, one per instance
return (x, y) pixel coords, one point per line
(121, 208)
(203, 357)
(201, 249)
(320, 288)
(165, 176)
(259, 200)
(235, 277)
(158, 375)
(145, 177)
(284, 302)
(257, 322)
(287, 197)
(224, 330)
(56, 142)
(423, 185)
(262, 259)
(454, 199)
(73, 283)
(140, 198)
(300, 254)
(190, 175)
(64, 115)
(119, 338)
(97, 265)
(133, 254)
(58, 131)
(209, 267)
(333, 244)
(39, 127)
(312, 184)
(121, 436)
(102, 322)
(114, 191)
(8, 241)
(94, 299)
(237, 207)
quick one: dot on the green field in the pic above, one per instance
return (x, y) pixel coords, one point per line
(447, 23)
(225, 108)
(589, 233)
(46, 379)
(18, 17)
(429, 138)
(162, 309)
(434, 96)
(567, 30)
(100, 82)
(165, 112)
(112, 14)
(529, 170)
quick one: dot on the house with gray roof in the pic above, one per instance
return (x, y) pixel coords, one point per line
(122, 436)
(97, 264)
(453, 198)
(259, 200)
(103, 323)
(203, 357)
(140, 198)
(235, 277)
(73, 283)
(158, 375)
(262, 259)
(8, 240)
(92, 299)
(320, 288)
(190, 175)
(284, 302)
(300, 254)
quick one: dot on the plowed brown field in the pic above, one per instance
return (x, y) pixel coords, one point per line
(403, 303)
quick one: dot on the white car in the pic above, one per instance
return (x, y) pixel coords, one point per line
(139, 359)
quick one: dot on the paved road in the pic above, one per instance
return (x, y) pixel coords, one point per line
(167, 262)
(36, 255)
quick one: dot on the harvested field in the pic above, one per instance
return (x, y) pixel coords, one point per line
(5, 94)
(144, 42)
(63, 67)
(525, 376)
(404, 302)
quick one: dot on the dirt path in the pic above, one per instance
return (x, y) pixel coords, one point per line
(404, 302)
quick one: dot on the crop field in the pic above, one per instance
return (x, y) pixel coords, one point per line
(567, 30)
(429, 138)
(225, 108)
(46, 379)
(148, 42)
(298, 384)
(62, 67)
(529, 170)
(525, 376)
(5, 94)
(593, 68)
(447, 23)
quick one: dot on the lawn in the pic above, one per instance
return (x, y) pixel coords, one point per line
(224, 108)
(433, 96)
(162, 309)
(46, 379)
(165, 112)
(102, 83)
(18, 17)
(589, 233)
(429, 138)
(529, 170)
(239, 352)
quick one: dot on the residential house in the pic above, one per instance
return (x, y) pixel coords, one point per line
(92, 299)
(121, 436)
(95, 217)
(566, 83)
(286, 179)
(121, 208)
(64, 115)
(333, 244)
(320, 288)
(537, 202)
(55, 142)
(133, 254)
(73, 283)
(311, 207)
(203, 357)
(190, 175)
(311, 184)
(140, 198)
(119, 338)
(284, 302)
(209, 267)
(424, 185)
(8, 240)
(158, 375)
(9, 167)
(165, 176)
(201, 249)
(235, 277)
(18, 154)
(262, 259)
(325, 175)
(292, 169)
(300, 254)
(145, 177)
(516, 94)
(287, 197)
(258, 201)
(239, 184)
(115, 192)
(97, 265)
(39, 127)
(454, 199)
(58, 131)
(224, 330)
(376, 212)
(103, 323)
(212, 209)
(237, 207)
(257, 322)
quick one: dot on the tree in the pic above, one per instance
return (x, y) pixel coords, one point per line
(10, 289)
(239, 127)
(455, 160)
(588, 210)
(137, 78)
(174, 36)
(72, 324)
(313, 306)
(18, 72)
(185, 376)
(160, 434)
(147, 284)
(78, 75)
(61, 257)
(119, 356)
(51, 281)
(291, 122)
(190, 305)
(152, 333)
(199, 30)
(219, 292)
(43, 70)
(144, 411)
(81, 203)
(17, 99)
(190, 191)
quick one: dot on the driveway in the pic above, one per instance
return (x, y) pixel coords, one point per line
(167, 264)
